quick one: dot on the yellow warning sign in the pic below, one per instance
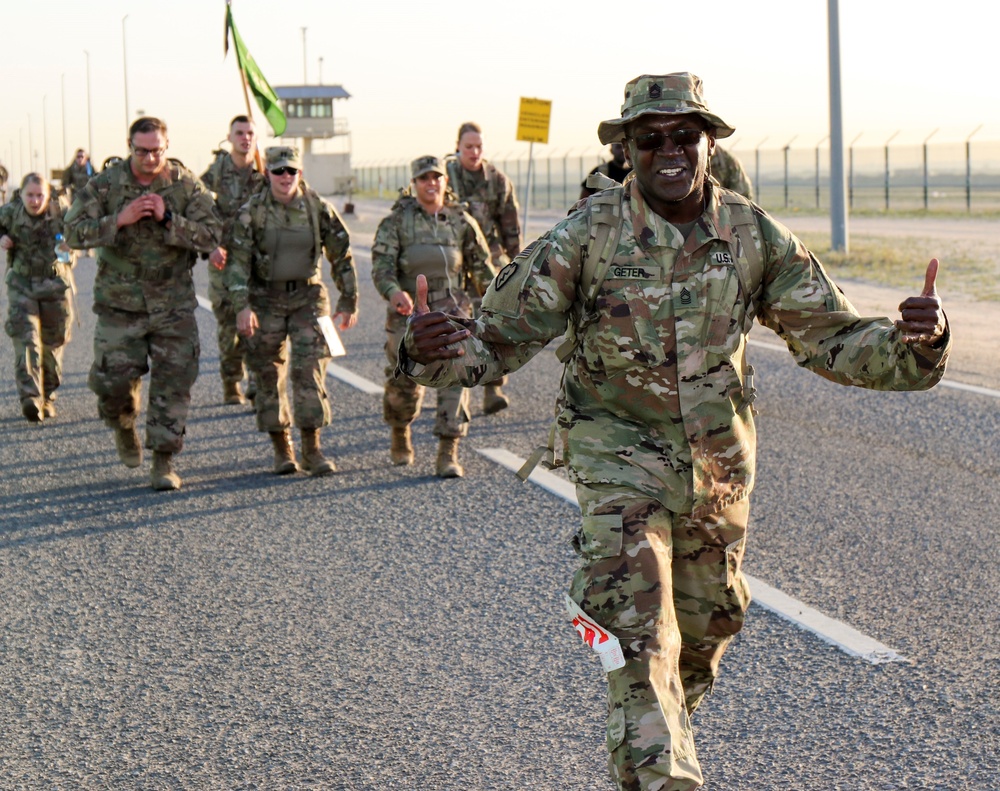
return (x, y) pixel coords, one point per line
(533, 120)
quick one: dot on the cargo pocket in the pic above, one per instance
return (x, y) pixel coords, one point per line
(625, 336)
(616, 728)
(599, 536)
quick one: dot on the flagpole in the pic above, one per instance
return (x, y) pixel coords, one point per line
(246, 93)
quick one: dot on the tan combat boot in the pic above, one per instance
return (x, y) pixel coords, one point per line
(284, 453)
(402, 449)
(231, 393)
(162, 475)
(313, 460)
(127, 443)
(447, 460)
(494, 400)
(31, 411)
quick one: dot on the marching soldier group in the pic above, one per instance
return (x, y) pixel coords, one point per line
(655, 282)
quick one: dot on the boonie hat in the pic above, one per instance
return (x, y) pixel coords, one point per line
(665, 94)
(426, 164)
(282, 156)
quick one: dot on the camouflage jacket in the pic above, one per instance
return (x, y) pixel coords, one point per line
(144, 267)
(466, 257)
(248, 264)
(490, 197)
(34, 237)
(231, 187)
(655, 396)
(75, 177)
(729, 172)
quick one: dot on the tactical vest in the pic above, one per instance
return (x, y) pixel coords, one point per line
(262, 266)
(38, 259)
(436, 256)
(482, 210)
(127, 256)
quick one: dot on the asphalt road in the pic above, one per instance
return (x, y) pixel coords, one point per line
(383, 629)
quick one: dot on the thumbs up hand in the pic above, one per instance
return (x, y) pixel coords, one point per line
(922, 318)
(431, 335)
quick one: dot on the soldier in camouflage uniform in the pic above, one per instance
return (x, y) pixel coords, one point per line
(232, 178)
(276, 286)
(617, 169)
(78, 173)
(729, 172)
(148, 218)
(39, 309)
(429, 235)
(491, 199)
(655, 416)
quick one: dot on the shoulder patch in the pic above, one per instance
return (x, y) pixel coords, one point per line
(505, 274)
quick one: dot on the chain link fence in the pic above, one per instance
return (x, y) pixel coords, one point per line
(944, 177)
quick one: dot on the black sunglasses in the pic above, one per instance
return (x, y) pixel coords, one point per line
(651, 141)
(285, 171)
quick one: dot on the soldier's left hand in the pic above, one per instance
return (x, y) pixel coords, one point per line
(923, 320)
(6, 242)
(344, 321)
(159, 207)
(246, 322)
(218, 258)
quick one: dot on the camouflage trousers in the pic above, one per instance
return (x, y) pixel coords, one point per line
(671, 589)
(232, 348)
(291, 317)
(39, 321)
(127, 346)
(403, 397)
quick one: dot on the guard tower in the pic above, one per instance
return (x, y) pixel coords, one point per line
(309, 112)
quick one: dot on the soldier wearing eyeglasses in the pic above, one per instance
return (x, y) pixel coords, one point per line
(148, 217)
(276, 287)
(657, 284)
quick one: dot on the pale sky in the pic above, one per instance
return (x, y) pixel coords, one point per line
(417, 70)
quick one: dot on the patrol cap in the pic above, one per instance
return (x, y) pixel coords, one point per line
(282, 156)
(666, 94)
(428, 164)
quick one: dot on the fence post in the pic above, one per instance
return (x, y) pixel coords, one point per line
(756, 177)
(887, 168)
(566, 178)
(817, 168)
(788, 145)
(850, 172)
(968, 169)
(926, 177)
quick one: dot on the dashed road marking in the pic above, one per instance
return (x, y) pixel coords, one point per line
(839, 634)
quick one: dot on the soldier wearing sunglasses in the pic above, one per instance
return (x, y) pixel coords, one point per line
(148, 217)
(655, 416)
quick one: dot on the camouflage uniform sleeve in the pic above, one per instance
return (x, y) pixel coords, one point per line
(528, 304)
(199, 227)
(88, 223)
(337, 243)
(238, 264)
(6, 215)
(385, 257)
(476, 256)
(510, 225)
(825, 333)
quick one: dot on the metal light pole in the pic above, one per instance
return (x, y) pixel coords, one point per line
(305, 69)
(128, 117)
(320, 71)
(90, 124)
(925, 168)
(45, 139)
(31, 146)
(968, 169)
(838, 210)
(63, 85)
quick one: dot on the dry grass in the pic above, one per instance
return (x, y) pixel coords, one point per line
(968, 268)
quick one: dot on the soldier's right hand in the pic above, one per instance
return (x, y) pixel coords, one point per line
(402, 303)
(135, 210)
(6, 242)
(433, 335)
(218, 258)
(246, 322)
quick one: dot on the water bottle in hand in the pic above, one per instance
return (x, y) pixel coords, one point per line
(62, 251)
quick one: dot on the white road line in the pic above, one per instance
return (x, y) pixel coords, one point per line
(986, 391)
(837, 633)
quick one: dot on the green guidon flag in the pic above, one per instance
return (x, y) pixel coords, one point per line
(253, 79)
